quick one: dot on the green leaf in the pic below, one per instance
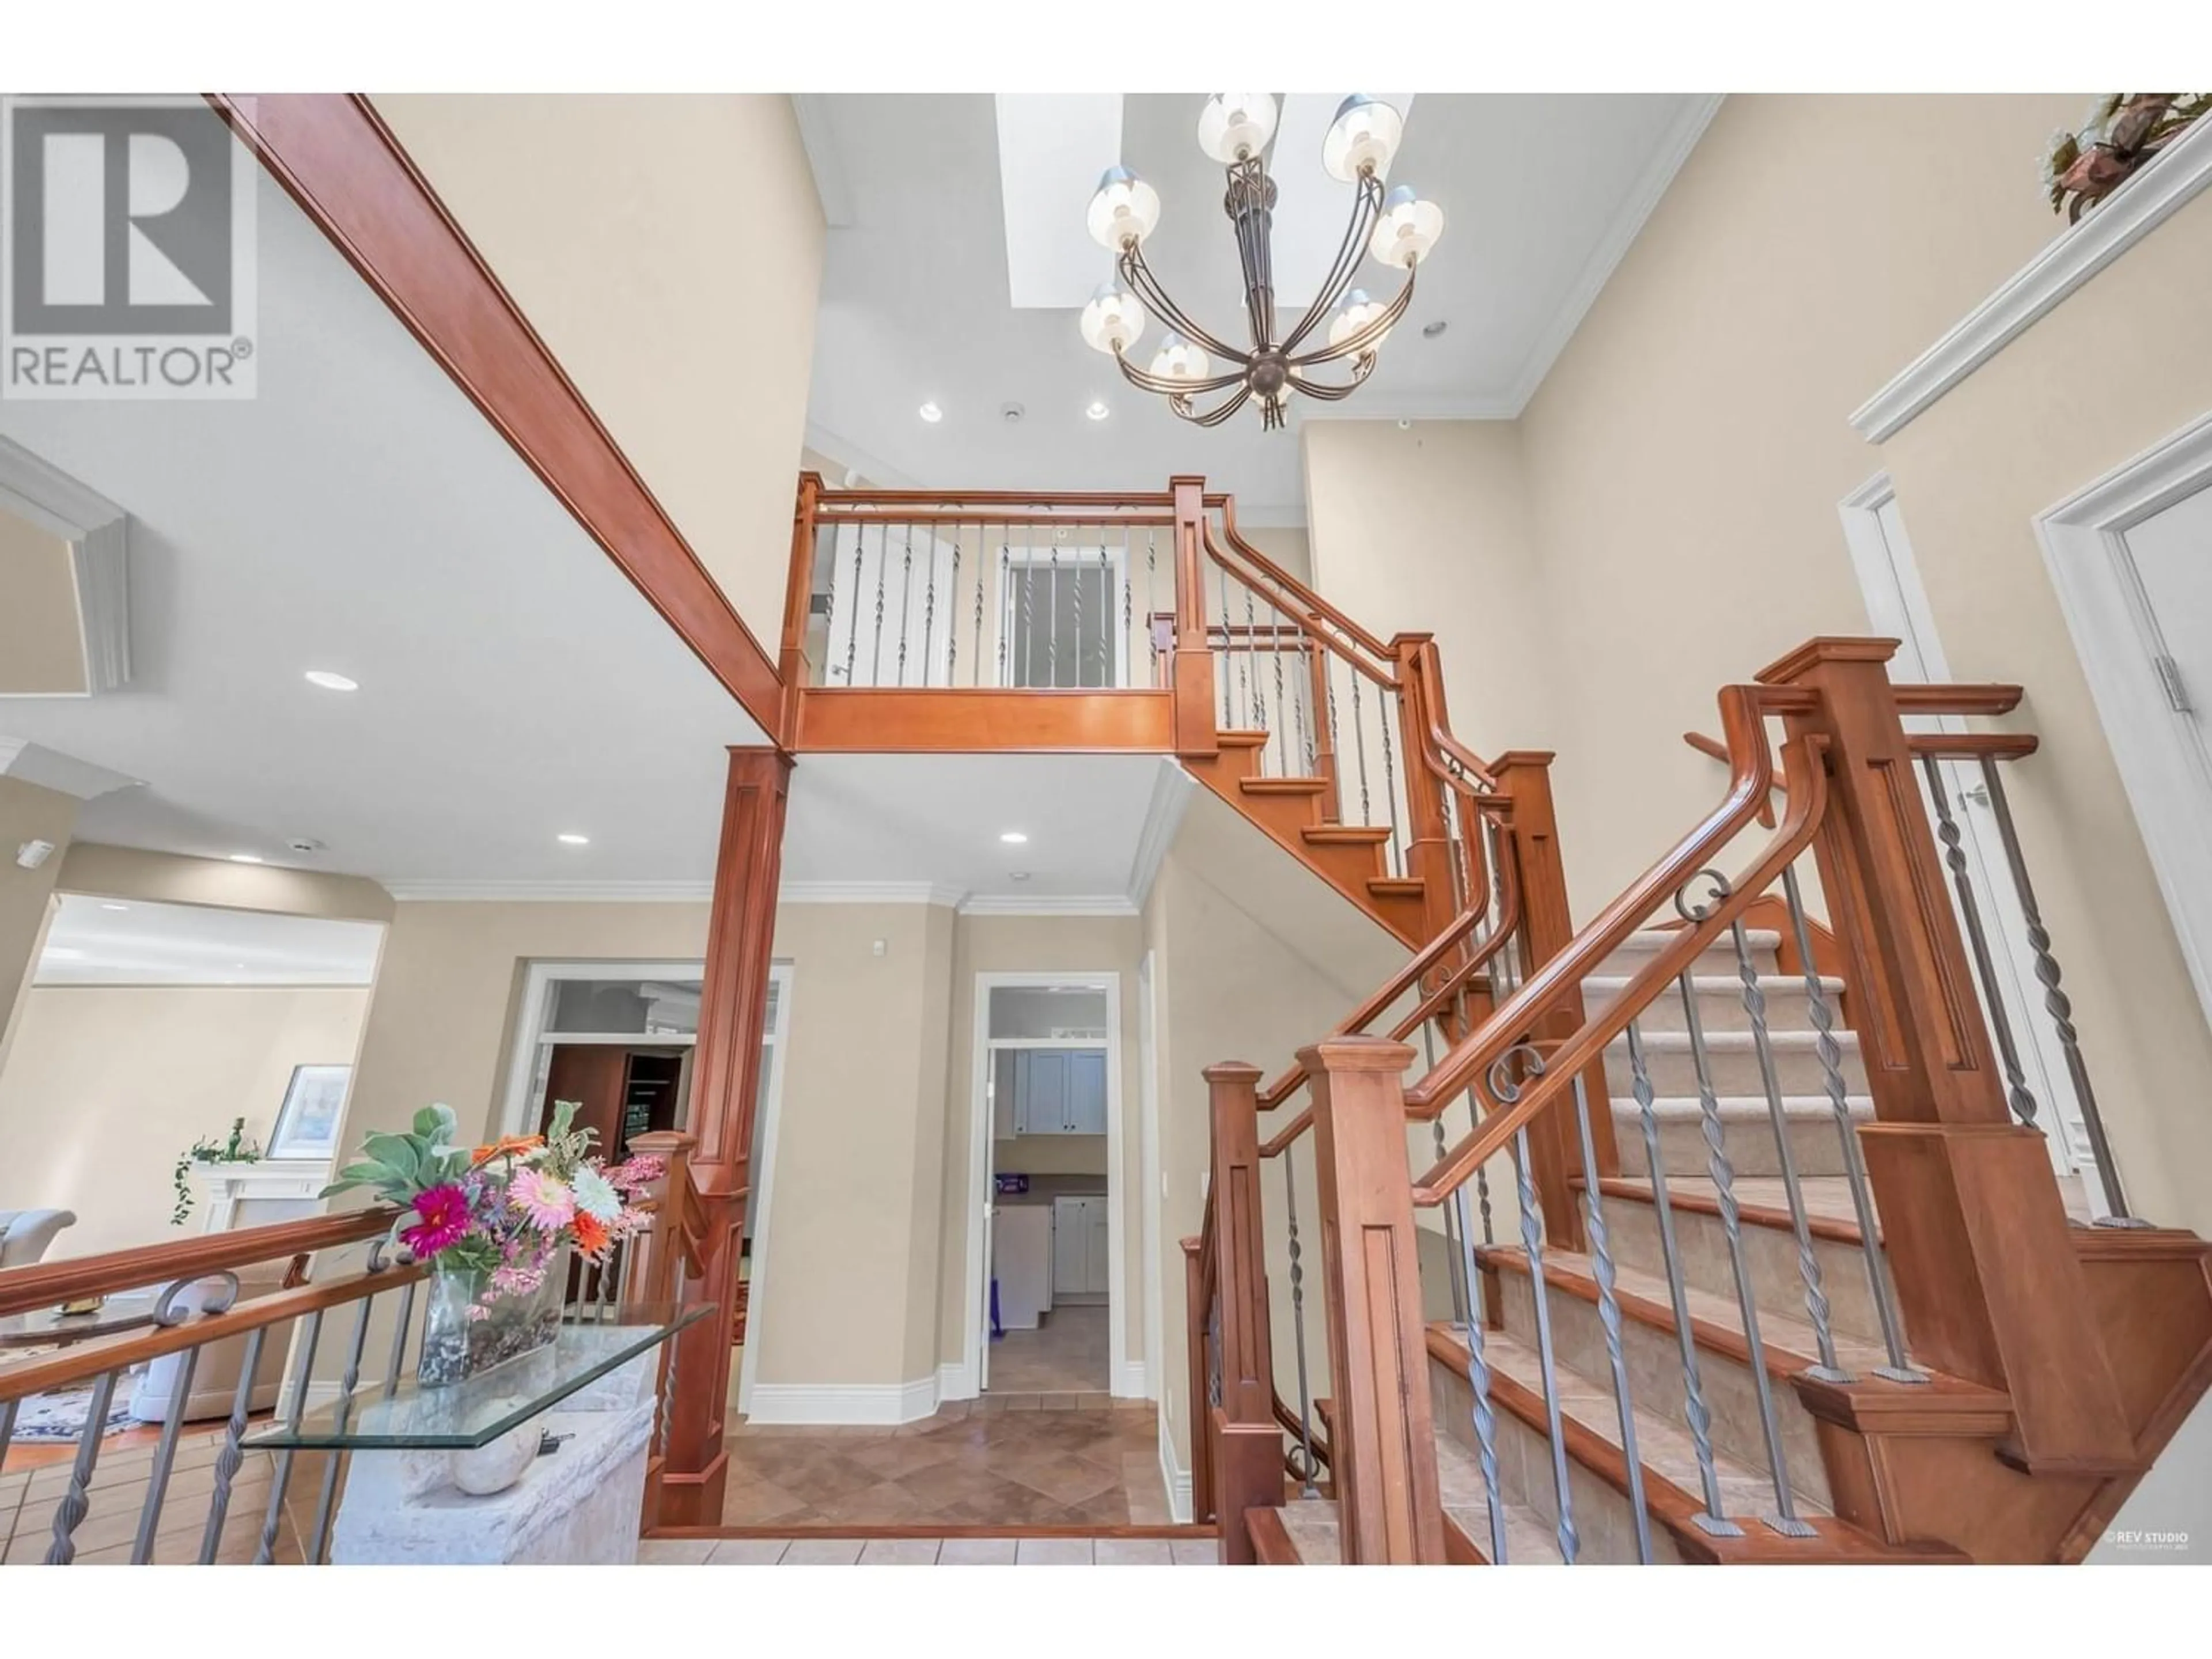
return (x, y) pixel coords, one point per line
(400, 1152)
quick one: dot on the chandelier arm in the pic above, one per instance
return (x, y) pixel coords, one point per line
(1139, 276)
(1367, 338)
(1213, 416)
(1362, 368)
(1249, 184)
(1150, 382)
(1364, 212)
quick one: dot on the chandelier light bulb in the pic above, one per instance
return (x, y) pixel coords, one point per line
(1363, 138)
(1408, 228)
(1235, 125)
(1356, 313)
(1178, 358)
(1124, 210)
(1113, 320)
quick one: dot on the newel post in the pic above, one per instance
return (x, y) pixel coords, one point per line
(1383, 1444)
(1547, 927)
(1428, 851)
(798, 602)
(1193, 682)
(655, 1272)
(1987, 1278)
(1248, 1462)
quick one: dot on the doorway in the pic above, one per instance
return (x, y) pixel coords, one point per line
(1047, 1282)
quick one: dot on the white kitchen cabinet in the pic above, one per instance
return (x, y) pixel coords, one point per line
(1059, 1091)
(1079, 1233)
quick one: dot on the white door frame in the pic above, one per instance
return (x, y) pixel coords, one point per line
(517, 1110)
(763, 1177)
(973, 1350)
(1148, 1158)
(1889, 578)
(2162, 764)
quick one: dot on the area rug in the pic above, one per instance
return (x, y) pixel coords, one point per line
(43, 1418)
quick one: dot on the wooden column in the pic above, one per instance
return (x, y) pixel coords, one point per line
(797, 603)
(1195, 728)
(654, 1273)
(1988, 1279)
(724, 1080)
(1383, 1442)
(1547, 927)
(1248, 1445)
(1324, 734)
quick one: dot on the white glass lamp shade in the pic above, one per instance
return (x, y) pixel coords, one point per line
(1409, 228)
(1356, 313)
(1235, 124)
(1179, 359)
(1124, 210)
(1113, 320)
(1365, 136)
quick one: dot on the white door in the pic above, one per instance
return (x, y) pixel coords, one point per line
(989, 1198)
(1086, 1092)
(1896, 604)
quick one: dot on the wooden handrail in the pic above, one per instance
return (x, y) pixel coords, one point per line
(1742, 709)
(1268, 567)
(1313, 613)
(1029, 498)
(1472, 1059)
(1442, 746)
(48, 1283)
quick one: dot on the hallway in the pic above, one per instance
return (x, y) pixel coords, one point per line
(1068, 1353)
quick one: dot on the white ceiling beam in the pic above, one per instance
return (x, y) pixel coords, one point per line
(1052, 147)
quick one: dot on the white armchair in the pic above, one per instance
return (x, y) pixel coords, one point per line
(26, 1234)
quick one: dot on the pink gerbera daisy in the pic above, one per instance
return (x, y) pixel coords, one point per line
(442, 1219)
(545, 1201)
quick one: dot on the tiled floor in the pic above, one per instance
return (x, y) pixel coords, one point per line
(1067, 1353)
(930, 1552)
(1006, 1459)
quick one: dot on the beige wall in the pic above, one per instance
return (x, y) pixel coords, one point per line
(27, 813)
(1971, 472)
(107, 1084)
(669, 250)
(42, 633)
(1285, 544)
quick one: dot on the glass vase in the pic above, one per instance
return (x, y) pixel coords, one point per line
(464, 1335)
(447, 1330)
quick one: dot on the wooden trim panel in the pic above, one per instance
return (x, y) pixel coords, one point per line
(335, 157)
(972, 721)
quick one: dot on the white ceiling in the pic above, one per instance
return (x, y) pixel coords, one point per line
(95, 941)
(360, 516)
(1542, 195)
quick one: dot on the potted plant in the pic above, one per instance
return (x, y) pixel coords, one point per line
(2125, 130)
(497, 1224)
(238, 1149)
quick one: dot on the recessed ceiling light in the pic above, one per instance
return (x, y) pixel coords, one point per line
(1014, 837)
(1429, 330)
(64, 953)
(574, 840)
(1098, 409)
(246, 858)
(931, 413)
(332, 682)
(1018, 875)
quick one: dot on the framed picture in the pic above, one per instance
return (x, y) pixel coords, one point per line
(307, 1122)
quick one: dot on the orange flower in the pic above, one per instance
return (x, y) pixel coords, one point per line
(503, 1147)
(591, 1235)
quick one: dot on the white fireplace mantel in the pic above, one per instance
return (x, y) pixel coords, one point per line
(254, 1195)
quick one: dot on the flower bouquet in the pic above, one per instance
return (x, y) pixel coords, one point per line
(497, 1225)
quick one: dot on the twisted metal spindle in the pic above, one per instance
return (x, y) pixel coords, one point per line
(1051, 621)
(2060, 1008)
(1005, 588)
(1714, 1518)
(852, 633)
(1275, 651)
(828, 601)
(952, 609)
(76, 1498)
(1462, 1296)
(1028, 610)
(1389, 784)
(2018, 1096)
(883, 574)
(1532, 1242)
(280, 1480)
(1129, 609)
(1222, 572)
(1478, 1377)
(232, 1457)
(1106, 611)
(1609, 1315)
(983, 558)
(1151, 563)
(1307, 1466)
(906, 603)
(1808, 1264)
(165, 1458)
(1359, 745)
(317, 1549)
(1251, 636)
(1335, 743)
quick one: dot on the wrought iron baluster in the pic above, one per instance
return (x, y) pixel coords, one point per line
(1359, 743)
(228, 1460)
(1251, 641)
(1129, 675)
(882, 574)
(852, 633)
(1227, 721)
(173, 1421)
(1028, 606)
(76, 1498)
(1005, 607)
(1105, 610)
(1808, 1264)
(1478, 1377)
(1714, 1518)
(2018, 1096)
(1152, 610)
(317, 1548)
(1462, 1299)
(1609, 1315)
(1308, 1467)
(983, 559)
(399, 1338)
(828, 601)
(906, 603)
(1532, 1242)
(1051, 621)
(1336, 744)
(1784, 1519)
(1383, 701)
(1831, 1074)
(281, 1481)
(7, 1428)
(952, 608)
(2059, 1007)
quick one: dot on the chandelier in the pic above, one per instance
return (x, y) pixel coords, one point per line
(1398, 229)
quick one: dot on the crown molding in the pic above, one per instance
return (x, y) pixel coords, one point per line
(2130, 213)
(1172, 788)
(869, 892)
(98, 534)
(551, 892)
(1048, 904)
(1627, 224)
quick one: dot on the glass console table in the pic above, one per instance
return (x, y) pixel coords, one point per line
(464, 1416)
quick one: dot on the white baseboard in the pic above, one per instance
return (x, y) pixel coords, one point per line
(1133, 1383)
(1177, 1476)
(955, 1382)
(883, 1404)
